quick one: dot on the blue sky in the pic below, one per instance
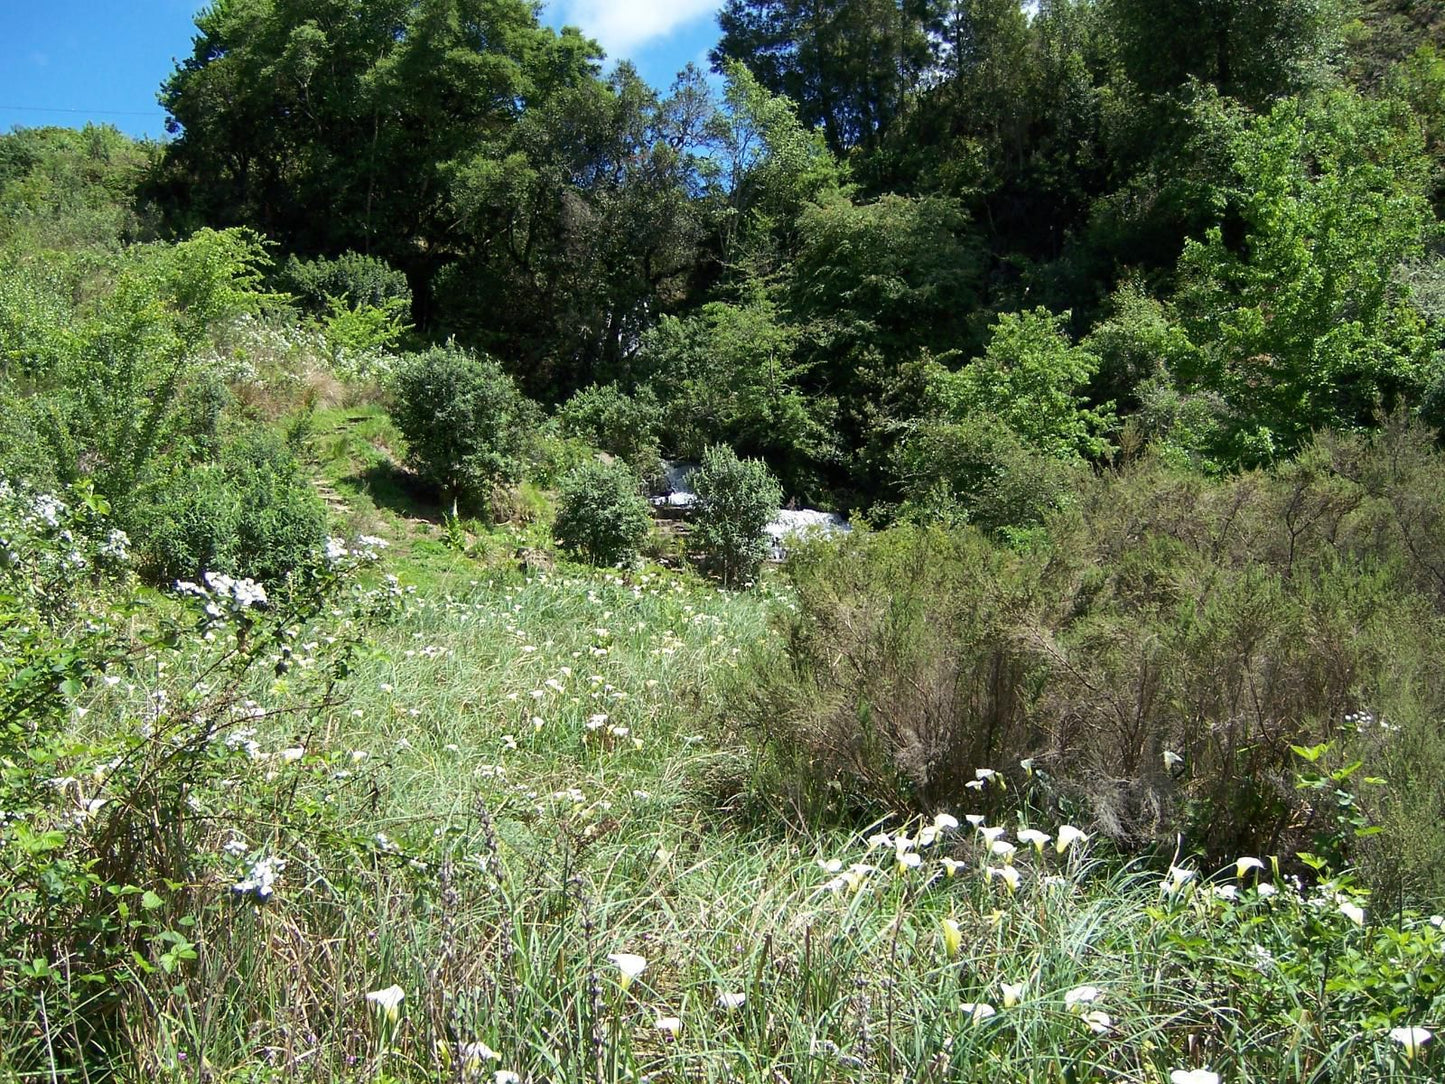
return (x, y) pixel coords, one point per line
(71, 61)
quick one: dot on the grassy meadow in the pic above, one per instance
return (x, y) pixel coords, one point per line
(523, 838)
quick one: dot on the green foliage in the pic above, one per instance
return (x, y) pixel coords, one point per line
(769, 166)
(62, 188)
(848, 65)
(1221, 623)
(618, 423)
(601, 514)
(250, 513)
(360, 281)
(736, 499)
(979, 470)
(1031, 377)
(124, 388)
(729, 374)
(111, 860)
(1299, 324)
(467, 427)
(1253, 50)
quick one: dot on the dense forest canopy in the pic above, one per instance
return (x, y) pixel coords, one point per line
(1210, 227)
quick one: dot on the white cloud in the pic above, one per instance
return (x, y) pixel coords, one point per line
(622, 25)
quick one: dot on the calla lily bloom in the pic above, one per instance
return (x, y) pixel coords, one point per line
(387, 1003)
(1003, 849)
(1013, 993)
(668, 1025)
(944, 821)
(1193, 1076)
(950, 866)
(1352, 911)
(1098, 1022)
(979, 1010)
(952, 937)
(1007, 874)
(1243, 865)
(1034, 838)
(975, 819)
(1068, 836)
(629, 964)
(731, 1001)
(1411, 1039)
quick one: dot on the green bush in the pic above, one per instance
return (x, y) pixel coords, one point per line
(736, 499)
(601, 516)
(468, 428)
(252, 513)
(362, 281)
(980, 471)
(620, 424)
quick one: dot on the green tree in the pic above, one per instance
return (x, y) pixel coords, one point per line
(1299, 320)
(601, 515)
(1031, 377)
(736, 499)
(848, 64)
(467, 427)
(1252, 50)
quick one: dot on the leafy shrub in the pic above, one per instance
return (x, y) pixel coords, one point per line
(360, 281)
(115, 867)
(736, 499)
(601, 516)
(980, 471)
(252, 513)
(467, 427)
(127, 392)
(620, 424)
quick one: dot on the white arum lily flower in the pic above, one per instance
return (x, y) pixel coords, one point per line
(984, 773)
(1171, 759)
(879, 839)
(1079, 996)
(1226, 892)
(629, 964)
(730, 1002)
(1242, 866)
(473, 1054)
(952, 937)
(951, 867)
(1007, 874)
(979, 1010)
(830, 865)
(1100, 1023)
(945, 821)
(1002, 849)
(1027, 764)
(1034, 838)
(975, 819)
(1193, 1076)
(974, 784)
(1352, 911)
(1013, 993)
(505, 1076)
(1266, 890)
(907, 860)
(1411, 1039)
(1177, 879)
(668, 1025)
(926, 835)
(1068, 836)
(991, 834)
(387, 1003)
